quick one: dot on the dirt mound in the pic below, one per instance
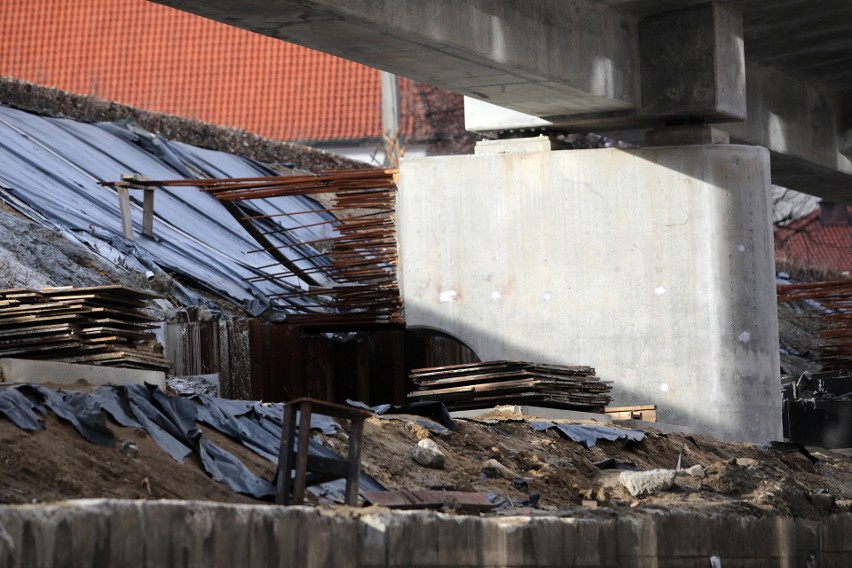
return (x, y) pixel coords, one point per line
(548, 472)
(564, 475)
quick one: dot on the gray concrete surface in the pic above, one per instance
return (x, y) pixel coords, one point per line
(497, 51)
(39, 372)
(800, 123)
(705, 79)
(654, 266)
(208, 535)
(634, 64)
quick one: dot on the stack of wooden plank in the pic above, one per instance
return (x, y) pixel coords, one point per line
(480, 385)
(100, 326)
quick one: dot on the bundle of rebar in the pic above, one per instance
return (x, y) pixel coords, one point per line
(834, 298)
(359, 260)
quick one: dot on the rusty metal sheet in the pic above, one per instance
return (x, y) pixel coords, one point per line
(349, 272)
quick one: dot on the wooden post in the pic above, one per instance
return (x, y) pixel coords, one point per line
(353, 457)
(286, 457)
(304, 438)
(148, 213)
(124, 207)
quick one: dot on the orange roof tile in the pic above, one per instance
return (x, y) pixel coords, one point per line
(154, 57)
(806, 242)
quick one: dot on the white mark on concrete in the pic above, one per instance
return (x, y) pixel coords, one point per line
(495, 295)
(659, 290)
(776, 131)
(745, 337)
(546, 296)
(448, 296)
(664, 387)
(741, 248)
(603, 76)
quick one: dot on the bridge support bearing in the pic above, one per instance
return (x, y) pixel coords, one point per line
(654, 265)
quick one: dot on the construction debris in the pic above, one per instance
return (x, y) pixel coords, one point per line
(480, 385)
(350, 274)
(589, 434)
(817, 409)
(493, 468)
(640, 483)
(101, 326)
(173, 424)
(647, 413)
(457, 501)
(427, 454)
(835, 299)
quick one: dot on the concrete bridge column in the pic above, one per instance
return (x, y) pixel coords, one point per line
(654, 265)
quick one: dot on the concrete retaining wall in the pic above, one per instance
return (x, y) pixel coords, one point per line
(35, 371)
(172, 533)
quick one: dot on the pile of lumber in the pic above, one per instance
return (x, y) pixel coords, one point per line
(480, 385)
(99, 326)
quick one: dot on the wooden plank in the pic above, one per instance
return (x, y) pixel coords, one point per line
(123, 324)
(508, 375)
(527, 398)
(34, 330)
(110, 330)
(124, 210)
(108, 290)
(101, 325)
(99, 300)
(647, 413)
(466, 368)
(148, 212)
(28, 320)
(35, 349)
(524, 383)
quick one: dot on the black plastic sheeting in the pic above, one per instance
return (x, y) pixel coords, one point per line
(173, 424)
(20, 410)
(439, 419)
(50, 169)
(589, 434)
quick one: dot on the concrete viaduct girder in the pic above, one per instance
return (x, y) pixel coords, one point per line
(777, 73)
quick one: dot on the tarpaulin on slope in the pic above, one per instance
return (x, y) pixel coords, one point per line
(172, 422)
(589, 434)
(20, 410)
(52, 166)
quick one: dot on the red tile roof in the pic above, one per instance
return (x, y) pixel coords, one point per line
(154, 57)
(807, 243)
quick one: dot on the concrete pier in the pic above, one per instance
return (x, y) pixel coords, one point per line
(210, 535)
(653, 265)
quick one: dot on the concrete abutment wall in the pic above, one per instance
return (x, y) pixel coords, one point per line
(193, 534)
(653, 265)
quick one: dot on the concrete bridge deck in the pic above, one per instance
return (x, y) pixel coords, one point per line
(779, 72)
